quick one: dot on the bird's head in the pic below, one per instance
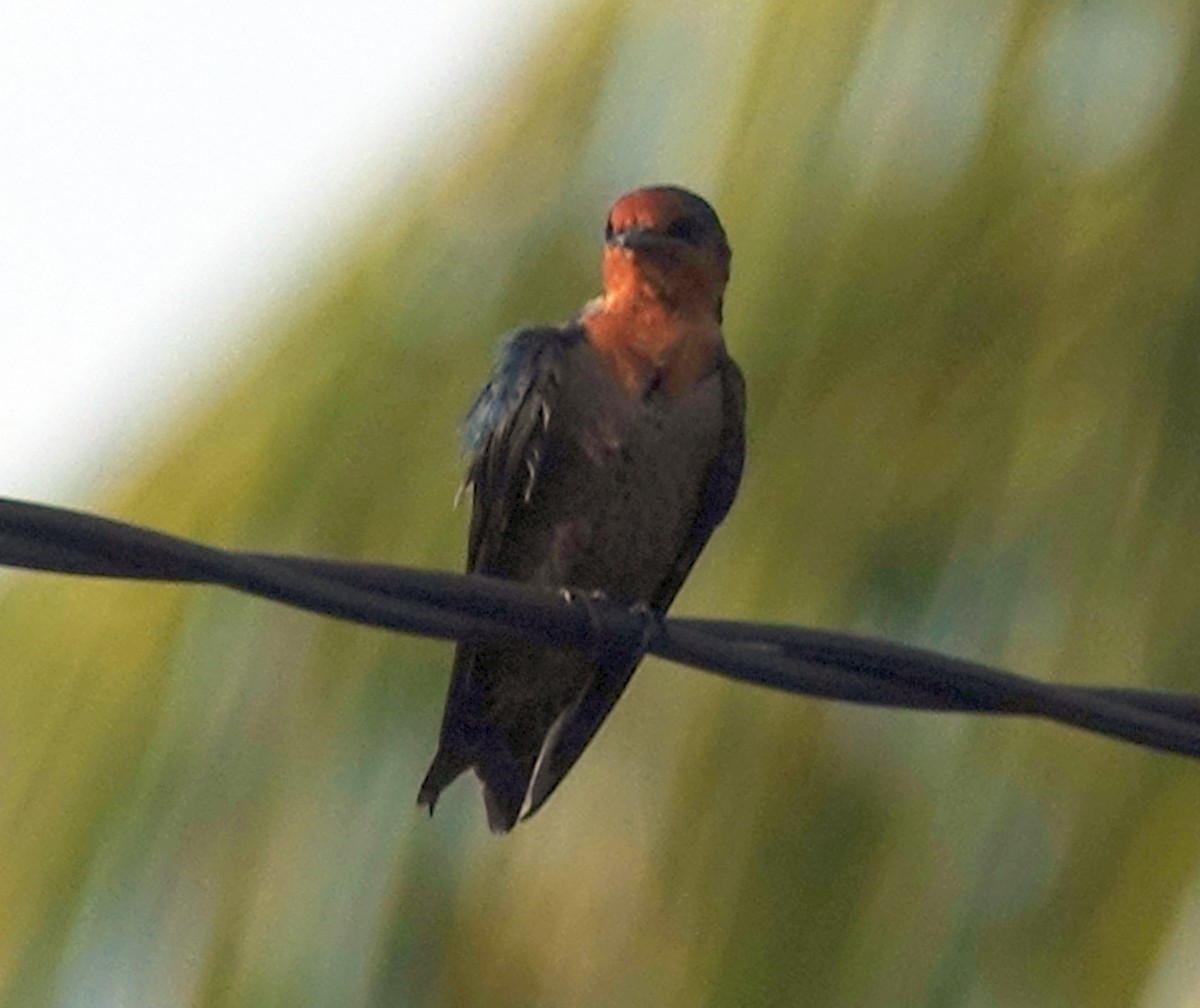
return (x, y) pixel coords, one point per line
(666, 244)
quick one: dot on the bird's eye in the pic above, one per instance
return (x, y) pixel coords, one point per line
(608, 230)
(685, 229)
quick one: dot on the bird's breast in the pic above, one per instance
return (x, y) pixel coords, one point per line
(620, 482)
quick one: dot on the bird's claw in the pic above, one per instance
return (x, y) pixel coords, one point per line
(603, 640)
(652, 624)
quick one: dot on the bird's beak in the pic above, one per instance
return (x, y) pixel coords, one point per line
(636, 239)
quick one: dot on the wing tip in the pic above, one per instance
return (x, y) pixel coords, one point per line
(501, 815)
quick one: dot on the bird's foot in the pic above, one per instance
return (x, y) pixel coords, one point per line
(604, 642)
(651, 624)
(572, 596)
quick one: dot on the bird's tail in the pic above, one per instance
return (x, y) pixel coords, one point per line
(469, 741)
(505, 781)
(446, 766)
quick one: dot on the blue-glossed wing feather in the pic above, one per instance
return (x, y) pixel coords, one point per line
(515, 372)
(504, 431)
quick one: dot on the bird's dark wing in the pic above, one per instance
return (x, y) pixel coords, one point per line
(720, 483)
(575, 727)
(504, 431)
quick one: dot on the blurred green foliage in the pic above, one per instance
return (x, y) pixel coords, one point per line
(966, 296)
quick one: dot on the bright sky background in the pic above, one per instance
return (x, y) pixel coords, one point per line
(166, 165)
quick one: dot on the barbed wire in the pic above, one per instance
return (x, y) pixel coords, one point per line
(469, 607)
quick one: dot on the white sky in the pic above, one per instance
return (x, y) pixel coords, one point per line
(164, 164)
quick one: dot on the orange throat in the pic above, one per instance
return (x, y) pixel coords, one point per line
(648, 348)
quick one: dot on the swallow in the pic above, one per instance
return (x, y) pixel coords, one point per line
(602, 455)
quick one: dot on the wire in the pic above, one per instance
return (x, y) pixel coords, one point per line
(469, 607)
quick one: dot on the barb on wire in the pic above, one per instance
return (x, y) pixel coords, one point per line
(819, 663)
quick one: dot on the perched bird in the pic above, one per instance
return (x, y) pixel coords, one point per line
(603, 454)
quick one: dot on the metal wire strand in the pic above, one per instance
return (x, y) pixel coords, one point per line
(802, 660)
